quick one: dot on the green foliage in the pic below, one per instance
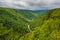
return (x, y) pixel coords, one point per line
(48, 30)
(13, 24)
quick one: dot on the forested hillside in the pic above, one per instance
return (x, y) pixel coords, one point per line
(46, 27)
(14, 24)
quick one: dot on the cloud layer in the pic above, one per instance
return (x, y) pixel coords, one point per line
(30, 4)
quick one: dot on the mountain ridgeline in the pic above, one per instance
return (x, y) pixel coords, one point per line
(17, 24)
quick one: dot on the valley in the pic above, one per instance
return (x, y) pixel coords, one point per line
(17, 24)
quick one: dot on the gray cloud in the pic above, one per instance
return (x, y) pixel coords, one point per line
(30, 4)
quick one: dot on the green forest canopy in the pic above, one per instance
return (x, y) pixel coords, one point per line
(13, 24)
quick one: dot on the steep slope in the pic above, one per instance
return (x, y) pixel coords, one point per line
(13, 24)
(48, 30)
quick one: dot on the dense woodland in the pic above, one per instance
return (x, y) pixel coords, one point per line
(44, 26)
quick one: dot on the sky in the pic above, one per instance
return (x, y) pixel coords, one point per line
(31, 4)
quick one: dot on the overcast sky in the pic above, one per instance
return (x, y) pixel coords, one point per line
(31, 4)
